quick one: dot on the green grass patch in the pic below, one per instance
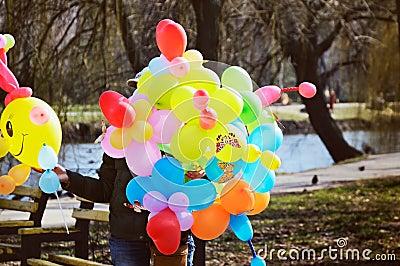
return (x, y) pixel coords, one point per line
(365, 213)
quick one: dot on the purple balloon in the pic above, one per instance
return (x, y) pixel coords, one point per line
(178, 202)
(141, 157)
(154, 201)
(185, 219)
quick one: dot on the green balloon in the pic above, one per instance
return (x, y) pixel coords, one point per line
(10, 41)
(252, 107)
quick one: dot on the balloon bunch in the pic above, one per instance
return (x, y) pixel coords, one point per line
(207, 120)
(26, 122)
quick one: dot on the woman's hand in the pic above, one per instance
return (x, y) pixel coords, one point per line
(195, 174)
(61, 173)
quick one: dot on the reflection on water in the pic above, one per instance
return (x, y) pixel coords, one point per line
(298, 152)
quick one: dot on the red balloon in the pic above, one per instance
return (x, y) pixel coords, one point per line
(171, 39)
(165, 231)
(116, 109)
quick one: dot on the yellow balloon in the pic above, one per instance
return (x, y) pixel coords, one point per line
(236, 78)
(20, 173)
(194, 57)
(229, 141)
(251, 153)
(27, 124)
(270, 160)
(161, 90)
(265, 117)
(4, 147)
(144, 82)
(201, 78)
(182, 103)
(142, 109)
(116, 139)
(7, 184)
(141, 131)
(185, 144)
(227, 103)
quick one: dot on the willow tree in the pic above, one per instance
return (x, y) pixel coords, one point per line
(308, 35)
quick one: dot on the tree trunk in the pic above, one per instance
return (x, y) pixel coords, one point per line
(305, 64)
(132, 50)
(207, 17)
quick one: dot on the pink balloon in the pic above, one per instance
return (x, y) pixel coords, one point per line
(164, 124)
(39, 115)
(21, 92)
(8, 81)
(154, 201)
(138, 96)
(307, 89)
(141, 157)
(268, 94)
(108, 148)
(3, 41)
(208, 118)
(178, 202)
(185, 220)
(201, 99)
(179, 67)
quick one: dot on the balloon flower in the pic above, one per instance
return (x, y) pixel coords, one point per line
(215, 120)
(26, 124)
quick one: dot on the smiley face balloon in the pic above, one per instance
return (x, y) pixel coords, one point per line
(28, 123)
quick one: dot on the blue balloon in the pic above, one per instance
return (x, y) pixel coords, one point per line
(47, 158)
(257, 261)
(49, 182)
(169, 168)
(214, 171)
(260, 178)
(241, 226)
(159, 66)
(201, 192)
(266, 137)
(135, 192)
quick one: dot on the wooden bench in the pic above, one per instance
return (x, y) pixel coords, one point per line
(79, 234)
(28, 208)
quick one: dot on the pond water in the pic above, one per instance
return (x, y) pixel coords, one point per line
(298, 153)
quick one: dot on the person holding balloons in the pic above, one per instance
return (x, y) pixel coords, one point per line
(129, 242)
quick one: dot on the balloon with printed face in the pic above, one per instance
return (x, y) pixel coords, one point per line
(28, 123)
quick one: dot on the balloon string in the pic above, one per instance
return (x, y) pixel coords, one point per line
(62, 213)
(252, 248)
(290, 89)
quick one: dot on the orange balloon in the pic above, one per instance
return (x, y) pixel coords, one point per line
(237, 197)
(211, 222)
(7, 184)
(20, 173)
(261, 202)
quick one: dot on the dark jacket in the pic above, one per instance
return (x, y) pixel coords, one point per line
(110, 188)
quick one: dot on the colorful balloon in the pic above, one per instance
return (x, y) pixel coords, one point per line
(20, 173)
(171, 39)
(211, 222)
(164, 230)
(7, 184)
(237, 197)
(49, 182)
(25, 136)
(241, 227)
(235, 77)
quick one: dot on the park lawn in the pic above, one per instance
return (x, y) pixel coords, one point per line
(365, 213)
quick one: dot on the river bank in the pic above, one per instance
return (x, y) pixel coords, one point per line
(87, 132)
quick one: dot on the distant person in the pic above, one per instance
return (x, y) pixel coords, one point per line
(332, 100)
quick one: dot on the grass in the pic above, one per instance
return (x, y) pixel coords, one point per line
(365, 213)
